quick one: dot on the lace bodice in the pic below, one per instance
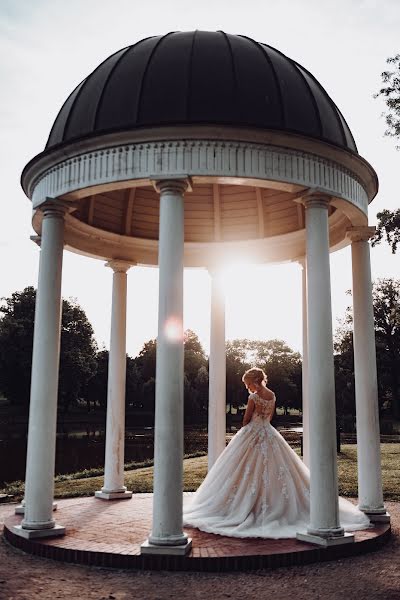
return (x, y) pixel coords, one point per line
(264, 408)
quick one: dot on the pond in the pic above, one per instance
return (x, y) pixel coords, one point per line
(80, 449)
(83, 447)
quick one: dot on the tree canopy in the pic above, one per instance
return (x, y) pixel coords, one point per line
(388, 227)
(77, 351)
(390, 92)
(386, 300)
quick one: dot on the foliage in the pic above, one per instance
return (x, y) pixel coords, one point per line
(84, 368)
(77, 351)
(389, 221)
(281, 363)
(387, 331)
(389, 228)
(386, 301)
(16, 339)
(95, 391)
(236, 364)
(390, 92)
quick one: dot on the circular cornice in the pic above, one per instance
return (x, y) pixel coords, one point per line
(120, 166)
(41, 163)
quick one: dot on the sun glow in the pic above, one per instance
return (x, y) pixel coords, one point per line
(173, 329)
(263, 302)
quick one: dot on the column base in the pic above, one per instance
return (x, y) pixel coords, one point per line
(30, 534)
(182, 550)
(377, 517)
(336, 540)
(20, 509)
(113, 495)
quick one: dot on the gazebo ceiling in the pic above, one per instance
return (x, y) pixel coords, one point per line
(200, 77)
(213, 212)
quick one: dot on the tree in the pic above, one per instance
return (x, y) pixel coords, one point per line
(236, 365)
(388, 228)
(389, 221)
(344, 366)
(390, 91)
(201, 385)
(283, 367)
(387, 331)
(386, 301)
(134, 384)
(194, 356)
(281, 363)
(77, 350)
(16, 339)
(194, 360)
(146, 360)
(95, 391)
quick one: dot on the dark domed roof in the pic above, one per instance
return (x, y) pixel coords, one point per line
(200, 78)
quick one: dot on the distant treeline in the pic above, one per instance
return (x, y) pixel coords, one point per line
(84, 367)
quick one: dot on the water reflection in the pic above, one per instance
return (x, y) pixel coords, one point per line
(84, 447)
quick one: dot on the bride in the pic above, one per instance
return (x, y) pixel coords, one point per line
(259, 487)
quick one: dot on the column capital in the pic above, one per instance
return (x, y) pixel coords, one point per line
(301, 261)
(52, 207)
(119, 265)
(36, 239)
(215, 270)
(315, 197)
(178, 184)
(360, 234)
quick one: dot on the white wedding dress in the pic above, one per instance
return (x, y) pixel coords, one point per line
(259, 487)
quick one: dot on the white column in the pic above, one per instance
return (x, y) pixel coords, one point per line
(306, 411)
(20, 508)
(39, 485)
(217, 372)
(115, 427)
(324, 525)
(370, 495)
(167, 536)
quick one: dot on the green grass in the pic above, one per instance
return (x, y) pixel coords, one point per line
(139, 476)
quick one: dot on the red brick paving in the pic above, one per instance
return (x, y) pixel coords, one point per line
(101, 528)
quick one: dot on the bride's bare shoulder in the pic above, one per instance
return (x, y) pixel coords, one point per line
(269, 394)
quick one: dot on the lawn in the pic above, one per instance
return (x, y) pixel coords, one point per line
(140, 479)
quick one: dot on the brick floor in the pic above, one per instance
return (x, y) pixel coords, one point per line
(109, 533)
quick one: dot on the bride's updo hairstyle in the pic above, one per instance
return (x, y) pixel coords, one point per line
(255, 375)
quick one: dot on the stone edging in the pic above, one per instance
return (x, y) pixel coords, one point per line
(202, 564)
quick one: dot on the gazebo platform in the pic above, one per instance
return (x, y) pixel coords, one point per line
(109, 534)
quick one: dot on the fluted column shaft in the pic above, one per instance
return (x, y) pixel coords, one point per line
(114, 487)
(168, 435)
(217, 372)
(39, 486)
(370, 493)
(324, 511)
(306, 408)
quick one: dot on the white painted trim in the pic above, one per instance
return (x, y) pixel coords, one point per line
(131, 164)
(217, 213)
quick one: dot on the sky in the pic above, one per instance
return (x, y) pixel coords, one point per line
(48, 46)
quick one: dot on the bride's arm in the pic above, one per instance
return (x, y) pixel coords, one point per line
(249, 411)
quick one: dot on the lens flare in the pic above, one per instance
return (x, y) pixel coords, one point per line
(173, 329)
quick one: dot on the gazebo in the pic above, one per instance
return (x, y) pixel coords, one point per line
(182, 151)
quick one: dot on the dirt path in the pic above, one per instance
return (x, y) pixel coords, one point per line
(374, 576)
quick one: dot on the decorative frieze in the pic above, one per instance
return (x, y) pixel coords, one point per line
(197, 158)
